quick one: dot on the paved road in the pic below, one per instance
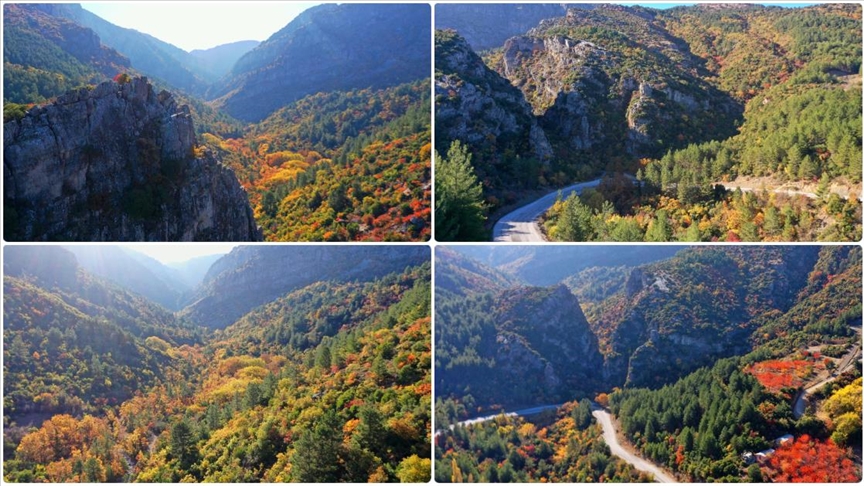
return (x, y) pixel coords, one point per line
(605, 420)
(847, 362)
(521, 224)
(518, 413)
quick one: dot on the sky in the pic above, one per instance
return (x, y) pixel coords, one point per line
(167, 253)
(200, 25)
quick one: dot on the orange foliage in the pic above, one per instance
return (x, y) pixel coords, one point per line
(778, 374)
(811, 461)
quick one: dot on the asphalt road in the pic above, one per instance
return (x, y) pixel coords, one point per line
(605, 420)
(521, 225)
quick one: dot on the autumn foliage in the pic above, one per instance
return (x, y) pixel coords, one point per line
(778, 374)
(808, 460)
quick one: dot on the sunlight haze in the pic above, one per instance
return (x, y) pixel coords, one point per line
(196, 25)
(180, 253)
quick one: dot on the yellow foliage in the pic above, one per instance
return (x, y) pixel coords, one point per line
(413, 469)
(527, 429)
(252, 373)
(232, 365)
(845, 400)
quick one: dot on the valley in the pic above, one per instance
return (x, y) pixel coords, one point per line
(691, 362)
(322, 371)
(303, 136)
(666, 105)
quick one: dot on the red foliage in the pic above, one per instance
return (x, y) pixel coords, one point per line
(811, 461)
(777, 374)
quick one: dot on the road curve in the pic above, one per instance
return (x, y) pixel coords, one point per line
(605, 420)
(518, 413)
(521, 225)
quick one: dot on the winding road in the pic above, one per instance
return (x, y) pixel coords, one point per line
(521, 225)
(605, 420)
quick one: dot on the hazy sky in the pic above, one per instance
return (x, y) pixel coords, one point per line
(201, 25)
(167, 253)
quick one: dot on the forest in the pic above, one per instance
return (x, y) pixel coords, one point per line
(331, 382)
(674, 110)
(704, 359)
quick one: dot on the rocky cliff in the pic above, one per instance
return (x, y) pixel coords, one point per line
(611, 77)
(674, 316)
(477, 106)
(548, 322)
(253, 275)
(117, 162)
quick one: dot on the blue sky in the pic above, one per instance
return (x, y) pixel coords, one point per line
(201, 25)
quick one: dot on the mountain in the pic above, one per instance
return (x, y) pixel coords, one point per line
(191, 272)
(462, 275)
(133, 271)
(609, 79)
(691, 100)
(147, 54)
(708, 357)
(552, 264)
(123, 165)
(72, 340)
(666, 321)
(303, 318)
(101, 385)
(253, 275)
(328, 48)
(220, 59)
(487, 26)
(652, 322)
(480, 108)
(518, 347)
(44, 56)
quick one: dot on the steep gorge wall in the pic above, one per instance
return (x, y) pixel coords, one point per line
(117, 162)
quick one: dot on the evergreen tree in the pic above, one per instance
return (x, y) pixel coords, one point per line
(317, 452)
(183, 447)
(459, 208)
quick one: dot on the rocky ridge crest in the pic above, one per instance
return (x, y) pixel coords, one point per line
(117, 162)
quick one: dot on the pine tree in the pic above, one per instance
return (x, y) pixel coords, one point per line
(459, 208)
(317, 452)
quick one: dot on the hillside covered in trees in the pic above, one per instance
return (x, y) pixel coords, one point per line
(325, 124)
(330, 381)
(673, 109)
(704, 358)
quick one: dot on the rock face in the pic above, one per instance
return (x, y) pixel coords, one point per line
(253, 275)
(590, 92)
(477, 106)
(674, 316)
(544, 329)
(117, 163)
(327, 48)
